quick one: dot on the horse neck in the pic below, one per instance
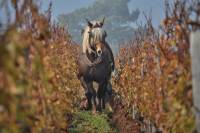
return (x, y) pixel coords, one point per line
(90, 56)
(105, 52)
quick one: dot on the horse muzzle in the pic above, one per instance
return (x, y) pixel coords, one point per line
(99, 52)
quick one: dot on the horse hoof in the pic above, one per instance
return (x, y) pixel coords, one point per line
(99, 109)
(94, 112)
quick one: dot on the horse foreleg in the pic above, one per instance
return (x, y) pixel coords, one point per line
(93, 92)
(88, 93)
(100, 96)
(104, 94)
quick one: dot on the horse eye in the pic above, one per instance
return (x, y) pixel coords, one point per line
(82, 31)
(105, 34)
(90, 33)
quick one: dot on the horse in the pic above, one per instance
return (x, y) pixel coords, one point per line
(94, 66)
(99, 72)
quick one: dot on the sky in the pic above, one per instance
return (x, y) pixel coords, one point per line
(67, 6)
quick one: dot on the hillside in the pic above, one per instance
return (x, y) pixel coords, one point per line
(118, 20)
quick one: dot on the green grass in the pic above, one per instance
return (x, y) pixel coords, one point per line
(85, 121)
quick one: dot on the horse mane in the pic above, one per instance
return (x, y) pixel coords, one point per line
(98, 35)
(86, 42)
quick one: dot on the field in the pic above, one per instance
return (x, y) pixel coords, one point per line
(40, 92)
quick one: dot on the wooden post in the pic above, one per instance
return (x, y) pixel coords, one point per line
(195, 55)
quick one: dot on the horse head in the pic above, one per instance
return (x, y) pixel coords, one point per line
(91, 34)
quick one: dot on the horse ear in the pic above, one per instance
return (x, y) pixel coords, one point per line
(89, 23)
(102, 22)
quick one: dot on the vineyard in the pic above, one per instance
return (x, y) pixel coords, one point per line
(40, 91)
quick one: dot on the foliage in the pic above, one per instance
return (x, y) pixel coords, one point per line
(155, 74)
(37, 72)
(39, 89)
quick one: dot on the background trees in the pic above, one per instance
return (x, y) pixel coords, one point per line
(118, 19)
